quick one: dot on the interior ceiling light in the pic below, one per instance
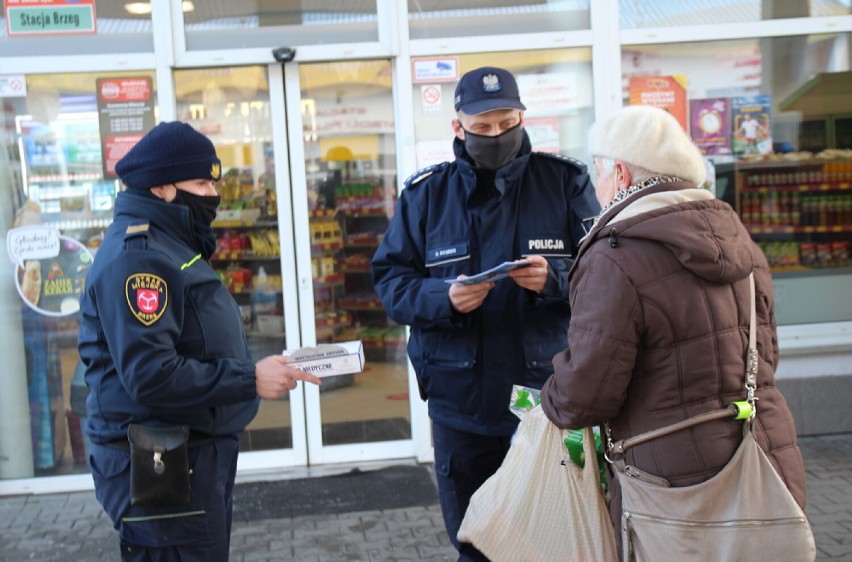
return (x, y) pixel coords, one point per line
(144, 8)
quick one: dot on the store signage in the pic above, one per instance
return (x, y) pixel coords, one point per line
(125, 114)
(13, 86)
(431, 98)
(549, 94)
(433, 152)
(44, 17)
(51, 269)
(364, 116)
(433, 69)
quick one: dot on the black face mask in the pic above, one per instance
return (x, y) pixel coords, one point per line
(201, 207)
(492, 153)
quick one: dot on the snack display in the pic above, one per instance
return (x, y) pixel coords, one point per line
(798, 208)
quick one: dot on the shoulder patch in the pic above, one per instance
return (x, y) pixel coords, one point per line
(136, 229)
(564, 159)
(420, 175)
(147, 296)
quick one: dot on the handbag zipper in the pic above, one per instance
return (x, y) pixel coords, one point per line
(735, 523)
(627, 535)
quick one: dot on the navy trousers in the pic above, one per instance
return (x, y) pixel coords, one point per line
(198, 532)
(463, 462)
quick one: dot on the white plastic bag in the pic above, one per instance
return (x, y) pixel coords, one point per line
(539, 506)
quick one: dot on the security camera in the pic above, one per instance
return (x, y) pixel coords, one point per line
(284, 54)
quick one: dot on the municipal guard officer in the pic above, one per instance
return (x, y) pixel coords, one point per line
(497, 201)
(162, 342)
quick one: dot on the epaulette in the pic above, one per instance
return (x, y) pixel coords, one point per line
(420, 175)
(137, 228)
(566, 159)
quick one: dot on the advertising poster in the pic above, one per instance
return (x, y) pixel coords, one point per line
(710, 125)
(666, 92)
(553, 93)
(125, 114)
(51, 269)
(751, 122)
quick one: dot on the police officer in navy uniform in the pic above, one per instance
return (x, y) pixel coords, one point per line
(497, 201)
(162, 342)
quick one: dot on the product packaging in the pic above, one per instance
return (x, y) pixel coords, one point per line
(329, 359)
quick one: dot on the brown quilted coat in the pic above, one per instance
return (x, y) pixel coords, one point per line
(659, 331)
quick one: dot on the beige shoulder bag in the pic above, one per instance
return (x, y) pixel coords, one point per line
(745, 512)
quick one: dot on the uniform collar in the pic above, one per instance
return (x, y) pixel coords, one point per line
(174, 220)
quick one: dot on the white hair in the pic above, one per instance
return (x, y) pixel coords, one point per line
(637, 173)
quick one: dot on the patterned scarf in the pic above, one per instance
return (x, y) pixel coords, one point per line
(624, 194)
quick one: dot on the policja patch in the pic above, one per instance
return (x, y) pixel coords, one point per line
(147, 296)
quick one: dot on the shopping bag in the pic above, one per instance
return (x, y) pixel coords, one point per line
(539, 506)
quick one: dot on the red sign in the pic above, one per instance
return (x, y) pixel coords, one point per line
(126, 113)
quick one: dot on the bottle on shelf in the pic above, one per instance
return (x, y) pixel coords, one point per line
(795, 209)
(784, 209)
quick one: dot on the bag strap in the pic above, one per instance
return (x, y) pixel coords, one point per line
(751, 360)
(740, 410)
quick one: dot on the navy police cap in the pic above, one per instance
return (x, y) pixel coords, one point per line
(486, 89)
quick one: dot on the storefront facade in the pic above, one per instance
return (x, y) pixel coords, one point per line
(319, 114)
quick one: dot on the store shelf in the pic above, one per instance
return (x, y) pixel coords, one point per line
(361, 306)
(79, 224)
(264, 334)
(333, 280)
(782, 229)
(800, 188)
(798, 272)
(377, 211)
(54, 178)
(223, 224)
(799, 213)
(362, 269)
(325, 247)
(241, 255)
(316, 214)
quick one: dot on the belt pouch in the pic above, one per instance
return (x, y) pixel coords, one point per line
(159, 465)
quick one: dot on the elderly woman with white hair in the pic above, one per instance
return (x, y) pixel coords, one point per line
(660, 313)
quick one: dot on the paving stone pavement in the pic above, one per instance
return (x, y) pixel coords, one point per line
(71, 526)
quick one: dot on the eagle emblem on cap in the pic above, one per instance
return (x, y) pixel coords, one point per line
(215, 171)
(490, 83)
(147, 296)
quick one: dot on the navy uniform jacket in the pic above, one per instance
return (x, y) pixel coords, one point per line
(160, 336)
(446, 225)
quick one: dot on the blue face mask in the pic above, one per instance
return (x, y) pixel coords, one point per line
(495, 152)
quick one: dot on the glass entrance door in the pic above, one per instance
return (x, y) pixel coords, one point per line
(236, 107)
(308, 190)
(344, 196)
